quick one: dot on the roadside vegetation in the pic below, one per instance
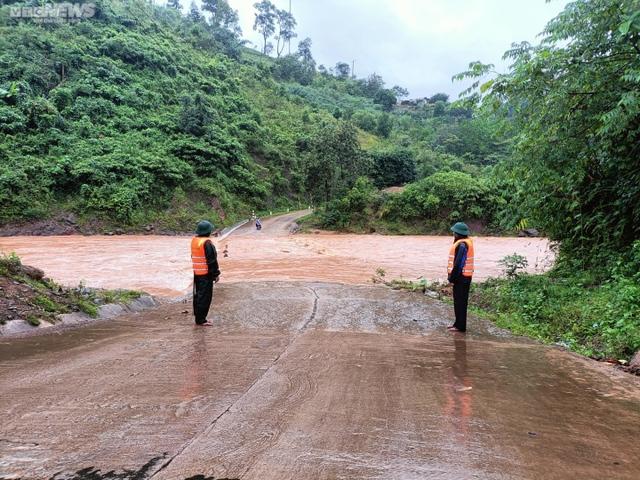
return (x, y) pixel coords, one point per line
(430, 205)
(25, 294)
(573, 111)
(594, 318)
(575, 310)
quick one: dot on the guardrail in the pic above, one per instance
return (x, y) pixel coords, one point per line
(225, 232)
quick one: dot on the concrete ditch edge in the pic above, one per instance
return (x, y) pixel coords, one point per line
(109, 311)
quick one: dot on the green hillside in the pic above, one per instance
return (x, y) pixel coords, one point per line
(142, 115)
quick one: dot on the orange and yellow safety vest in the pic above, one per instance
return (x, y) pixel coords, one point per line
(467, 269)
(198, 256)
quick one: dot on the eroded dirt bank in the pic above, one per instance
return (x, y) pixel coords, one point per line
(161, 265)
(309, 381)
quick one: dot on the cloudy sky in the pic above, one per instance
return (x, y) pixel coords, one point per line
(418, 44)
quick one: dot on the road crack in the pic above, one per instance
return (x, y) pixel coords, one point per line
(213, 423)
(312, 317)
(19, 442)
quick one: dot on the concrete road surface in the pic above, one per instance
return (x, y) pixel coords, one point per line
(309, 381)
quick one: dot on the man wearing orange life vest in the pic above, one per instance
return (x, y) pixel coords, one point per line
(205, 272)
(460, 272)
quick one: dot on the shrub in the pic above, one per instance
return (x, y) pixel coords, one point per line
(601, 321)
(366, 120)
(513, 265)
(446, 196)
(48, 305)
(352, 208)
(9, 264)
(393, 167)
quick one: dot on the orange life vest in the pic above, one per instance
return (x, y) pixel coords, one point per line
(467, 269)
(198, 256)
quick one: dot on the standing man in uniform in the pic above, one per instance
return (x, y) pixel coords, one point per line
(460, 272)
(205, 272)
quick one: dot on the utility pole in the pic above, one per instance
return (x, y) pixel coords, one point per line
(353, 69)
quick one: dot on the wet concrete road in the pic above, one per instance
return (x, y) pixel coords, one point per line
(309, 381)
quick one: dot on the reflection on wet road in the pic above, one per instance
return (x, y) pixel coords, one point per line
(309, 381)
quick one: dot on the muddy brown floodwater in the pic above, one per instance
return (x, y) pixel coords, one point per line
(161, 265)
(300, 380)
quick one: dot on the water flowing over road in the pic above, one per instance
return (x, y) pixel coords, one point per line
(307, 379)
(161, 265)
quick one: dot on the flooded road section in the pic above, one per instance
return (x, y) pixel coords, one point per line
(309, 381)
(305, 379)
(161, 265)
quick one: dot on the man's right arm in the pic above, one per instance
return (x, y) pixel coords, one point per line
(212, 259)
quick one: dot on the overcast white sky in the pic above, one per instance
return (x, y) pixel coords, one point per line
(418, 44)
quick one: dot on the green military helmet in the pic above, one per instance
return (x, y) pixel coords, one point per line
(461, 229)
(204, 228)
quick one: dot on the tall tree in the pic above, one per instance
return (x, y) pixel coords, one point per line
(439, 97)
(175, 4)
(265, 22)
(342, 70)
(373, 84)
(307, 61)
(393, 167)
(221, 15)
(400, 92)
(210, 6)
(286, 30)
(574, 105)
(304, 51)
(386, 98)
(336, 160)
(195, 14)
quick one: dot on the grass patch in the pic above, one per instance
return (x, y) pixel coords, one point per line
(601, 321)
(124, 297)
(88, 307)
(9, 264)
(48, 305)
(597, 319)
(46, 299)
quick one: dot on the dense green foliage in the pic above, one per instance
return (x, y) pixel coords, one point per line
(142, 115)
(430, 205)
(574, 108)
(393, 167)
(572, 308)
(114, 114)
